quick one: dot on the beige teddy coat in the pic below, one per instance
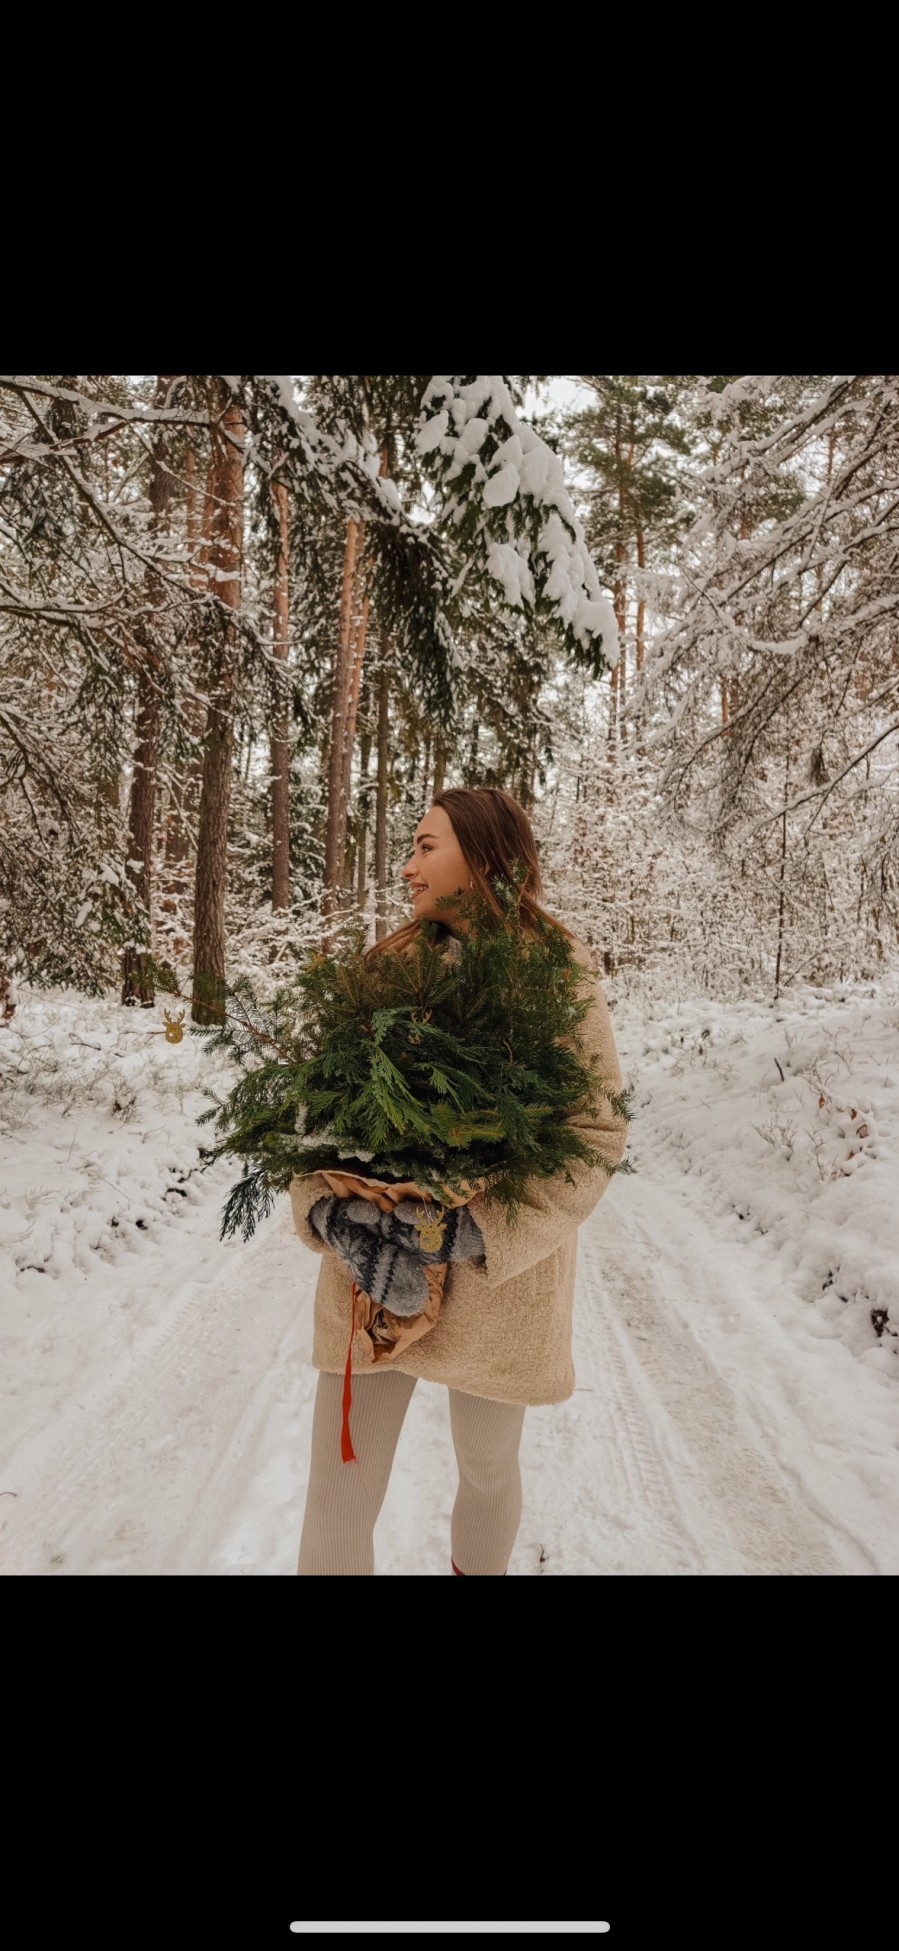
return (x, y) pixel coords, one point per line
(504, 1328)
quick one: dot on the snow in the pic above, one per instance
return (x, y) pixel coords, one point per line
(736, 1409)
(502, 487)
(285, 391)
(432, 435)
(521, 468)
(511, 569)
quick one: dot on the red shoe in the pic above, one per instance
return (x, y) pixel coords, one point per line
(457, 1571)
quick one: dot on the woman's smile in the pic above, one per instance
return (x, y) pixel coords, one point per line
(448, 870)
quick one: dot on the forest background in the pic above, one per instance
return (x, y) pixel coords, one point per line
(251, 625)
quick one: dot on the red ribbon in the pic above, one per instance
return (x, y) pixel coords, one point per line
(346, 1445)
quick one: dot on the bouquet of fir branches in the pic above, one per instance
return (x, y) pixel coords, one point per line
(445, 1070)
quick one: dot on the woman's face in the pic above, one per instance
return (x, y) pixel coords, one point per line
(435, 867)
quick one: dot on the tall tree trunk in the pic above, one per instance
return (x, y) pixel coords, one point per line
(622, 555)
(354, 608)
(621, 611)
(526, 788)
(364, 758)
(8, 999)
(819, 572)
(137, 981)
(382, 790)
(613, 693)
(440, 757)
(363, 594)
(641, 600)
(783, 873)
(641, 633)
(184, 793)
(618, 595)
(280, 730)
(618, 682)
(226, 471)
(343, 680)
(729, 687)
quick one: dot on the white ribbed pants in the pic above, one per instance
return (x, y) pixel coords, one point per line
(343, 1499)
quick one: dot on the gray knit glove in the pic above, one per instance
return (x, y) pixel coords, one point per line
(382, 1250)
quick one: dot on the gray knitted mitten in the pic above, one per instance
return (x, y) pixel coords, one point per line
(382, 1250)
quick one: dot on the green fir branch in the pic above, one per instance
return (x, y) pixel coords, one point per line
(414, 1067)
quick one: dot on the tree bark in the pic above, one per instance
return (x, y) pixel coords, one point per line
(618, 680)
(355, 603)
(614, 677)
(8, 998)
(280, 731)
(382, 791)
(641, 600)
(349, 730)
(783, 873)
(618, 597)
(641, 637)
(440, 757)
(137, 980)
(621, 553)
(364, 809)
(526, 792)
(184, 794)
(226, 535)
(343, 679)
(819, 572)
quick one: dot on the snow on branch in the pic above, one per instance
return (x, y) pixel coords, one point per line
(505, 491)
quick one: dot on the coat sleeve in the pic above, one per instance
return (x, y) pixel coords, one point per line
(304, 1191)
(553, 1208)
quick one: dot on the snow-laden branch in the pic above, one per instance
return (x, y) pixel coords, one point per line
(505, 491)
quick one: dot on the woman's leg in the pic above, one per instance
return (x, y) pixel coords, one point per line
(487, 1510)
(343, 1499)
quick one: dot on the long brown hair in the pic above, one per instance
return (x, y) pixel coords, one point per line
(493, 831)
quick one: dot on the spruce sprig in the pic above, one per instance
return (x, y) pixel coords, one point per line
(413, 1066)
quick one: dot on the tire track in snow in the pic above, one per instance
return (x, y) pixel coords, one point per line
(717, 1501)
(126, 1485)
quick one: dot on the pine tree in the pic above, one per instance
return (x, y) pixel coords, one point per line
(151, 682)
(225, 556)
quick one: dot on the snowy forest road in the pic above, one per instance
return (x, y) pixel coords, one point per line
(708, 1435)
(715, 1442)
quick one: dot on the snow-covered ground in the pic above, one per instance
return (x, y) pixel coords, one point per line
(737, 1407)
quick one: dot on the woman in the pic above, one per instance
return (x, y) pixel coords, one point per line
(503, 1336)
